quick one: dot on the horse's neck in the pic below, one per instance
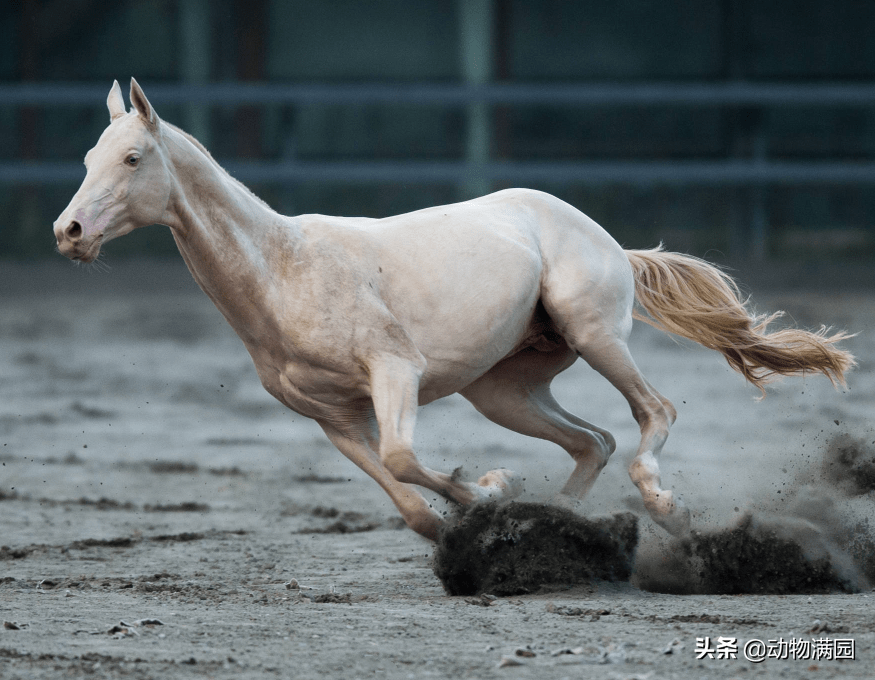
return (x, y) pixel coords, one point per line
(229, 239)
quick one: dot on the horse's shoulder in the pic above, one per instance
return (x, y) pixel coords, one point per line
(331, 235)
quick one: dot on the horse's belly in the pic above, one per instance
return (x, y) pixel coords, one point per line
(463, 339)
(462, 358)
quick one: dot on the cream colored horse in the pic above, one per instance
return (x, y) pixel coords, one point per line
(355, 322)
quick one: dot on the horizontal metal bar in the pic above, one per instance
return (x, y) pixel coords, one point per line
(701, 173)
(725, 93)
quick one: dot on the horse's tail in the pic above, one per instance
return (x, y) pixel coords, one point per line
(694, 299)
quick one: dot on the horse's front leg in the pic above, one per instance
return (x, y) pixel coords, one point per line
(414, 509)
(395, 395)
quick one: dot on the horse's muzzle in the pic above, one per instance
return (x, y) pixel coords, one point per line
(71, 242)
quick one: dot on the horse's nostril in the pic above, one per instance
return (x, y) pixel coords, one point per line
(74, 230)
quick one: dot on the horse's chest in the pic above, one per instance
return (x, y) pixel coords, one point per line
(312, 390)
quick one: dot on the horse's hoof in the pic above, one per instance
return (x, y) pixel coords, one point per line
(672, 515)
(566, 502)
(500, 484)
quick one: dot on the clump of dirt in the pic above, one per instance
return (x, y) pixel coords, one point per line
(188, 506)
(7, 553)
(849, 463)
(594, 614)
(332, 513)
(121, 542)
(341, 527)
(338, 598)
(707, 618)
(517, 548)
(163, 467)
(818, 541)
(775, 558)
(184, 537)
(101, 503)
(321, 479)
(233, 471)
(759, 555)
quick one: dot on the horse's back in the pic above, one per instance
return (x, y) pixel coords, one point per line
(464, 280)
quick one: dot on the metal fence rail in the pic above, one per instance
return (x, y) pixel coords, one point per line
(755, 172)
(674, 173)
(476, 169)
(451, 94)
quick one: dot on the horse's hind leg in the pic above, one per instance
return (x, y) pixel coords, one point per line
(609, 355)
(515, 394)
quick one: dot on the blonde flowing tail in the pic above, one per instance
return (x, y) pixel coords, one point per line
(694, 299)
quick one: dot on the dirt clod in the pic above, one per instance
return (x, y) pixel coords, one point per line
(850, 464)
(121, 542)
(770, 558)
(334, 598)
(760, 555)
(819, 627)
(188, 506)
(164, 467)
(595, 614)
(516, 548)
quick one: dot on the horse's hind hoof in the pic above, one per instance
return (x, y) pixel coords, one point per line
(675, 517)
(502, 484)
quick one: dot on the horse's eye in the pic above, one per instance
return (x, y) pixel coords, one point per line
(133, 160)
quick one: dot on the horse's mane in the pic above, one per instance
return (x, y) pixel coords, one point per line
(200, 147)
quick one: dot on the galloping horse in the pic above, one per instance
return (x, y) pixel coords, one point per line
(355, 322)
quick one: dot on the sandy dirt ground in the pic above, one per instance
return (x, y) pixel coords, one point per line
(156, 503)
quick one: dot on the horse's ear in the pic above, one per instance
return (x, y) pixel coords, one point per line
(114, 102)
(142, 105)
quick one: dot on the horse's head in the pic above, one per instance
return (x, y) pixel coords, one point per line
(127, 184)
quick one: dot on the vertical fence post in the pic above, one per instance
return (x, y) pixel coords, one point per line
(251, 17)
(735, 51)
(195, 63)
(476, 23)
(30, 215)
(759, 218)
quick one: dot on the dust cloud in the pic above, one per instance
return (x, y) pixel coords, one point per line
(818, 539)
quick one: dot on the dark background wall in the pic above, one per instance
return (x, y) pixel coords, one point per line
(474, 42)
